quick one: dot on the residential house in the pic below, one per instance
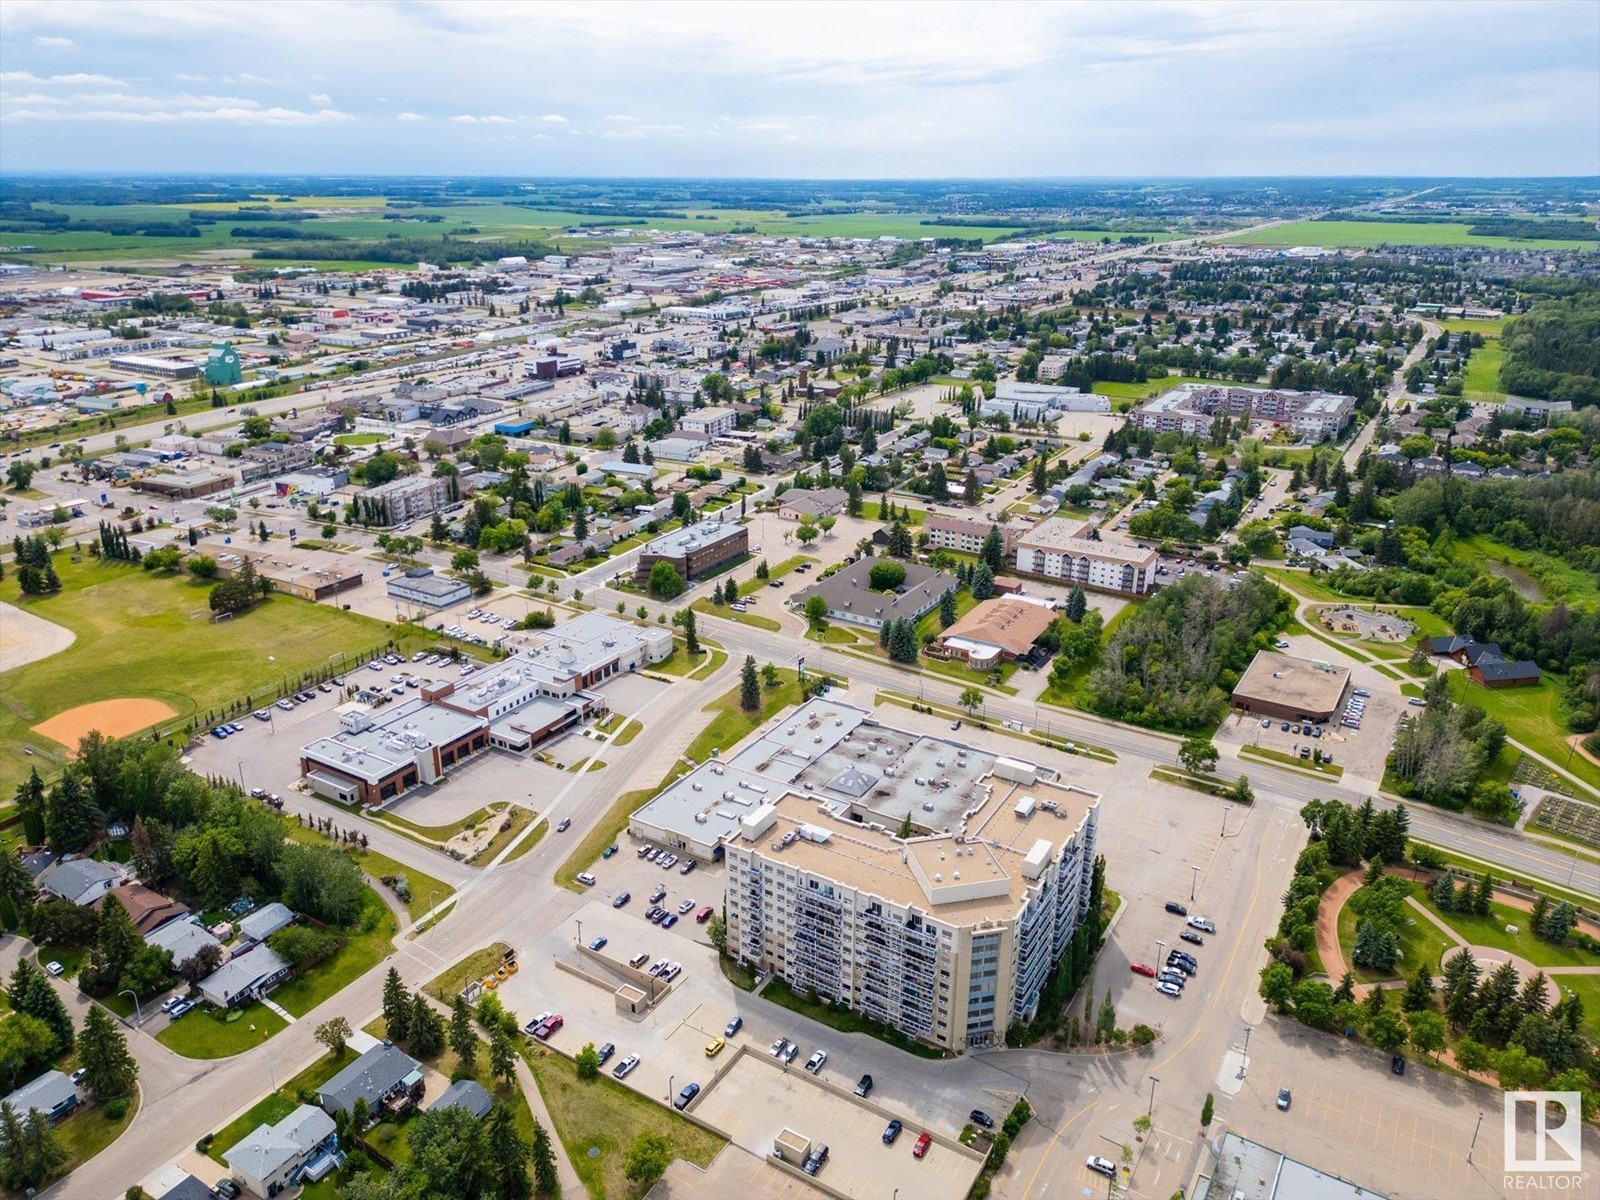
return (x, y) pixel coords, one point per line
(246, 976)
(147, 908)
(271, 1158)
(999, 630)
(800, 503)
(53, 1094)
(384, 1073)
(468, 1094)
(266, 921)
(80, 880)
(850, 596)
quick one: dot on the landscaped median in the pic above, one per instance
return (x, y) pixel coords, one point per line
(1053, 741)
(1280, 759)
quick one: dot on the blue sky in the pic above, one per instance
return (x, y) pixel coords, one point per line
(814, 90)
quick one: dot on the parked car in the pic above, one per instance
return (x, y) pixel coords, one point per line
(792, 1052)
(638, 960)
(588, 880)
(599, 943)
(608, 852)
(684, 907)
(978, 1117)
(1194, 939)
(621, 899)
(1203, 924)
(1140, 968)
(54, 967)
(891, 1130)
(686, 1094)
(864, 1086)
(1101, 1166)
(733, 1027)
(777, 1047)
(668, 920)
(704, 915)
(714, 1047)
(1284, 1099)
(1166, 989)
(1174, 907)
(621, 1070)
(1397, 1064)
(605, 1052)
(227, 1189)
(262, 714)
(815, 1063)
(688, 866)
(814, 1160)
(544, 1032)
(924, 1140)
(180, 1008)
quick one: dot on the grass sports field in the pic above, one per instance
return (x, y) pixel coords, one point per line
(142, 635)
(1352, 235)
(1143, 391)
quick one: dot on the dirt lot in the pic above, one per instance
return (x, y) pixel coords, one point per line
(25, 638)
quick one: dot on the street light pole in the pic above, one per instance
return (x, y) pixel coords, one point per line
(1194, 880)
(1152, 1108)
(137, 1012)
(671, 1079)
(1475, 1129)
(580, 933)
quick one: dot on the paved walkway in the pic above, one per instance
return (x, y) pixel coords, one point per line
(281, 1011)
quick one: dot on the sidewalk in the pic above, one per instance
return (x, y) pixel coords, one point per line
(571, 1185)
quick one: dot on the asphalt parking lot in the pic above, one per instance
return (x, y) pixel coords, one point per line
(756, 1099)
(1406, 1136)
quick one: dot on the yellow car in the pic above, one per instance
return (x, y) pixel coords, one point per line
(490, 982)
(503, 973)
(714, 1047)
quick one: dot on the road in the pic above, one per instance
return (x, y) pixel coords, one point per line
(1397, 389)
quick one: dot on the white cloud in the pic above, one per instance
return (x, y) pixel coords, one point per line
(166, 110)
(54, 43)
(622, 133)
(411, 116)
(78, 79)
(193, 78)
(320, 99)
(472, 119)
(554, 118)
(619, 117)
(766, 126)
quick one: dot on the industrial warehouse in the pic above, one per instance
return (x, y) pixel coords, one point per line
(1290, 689)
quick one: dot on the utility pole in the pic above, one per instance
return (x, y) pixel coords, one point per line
(1193, 880)
(1153, 1081)
(1475, 1129)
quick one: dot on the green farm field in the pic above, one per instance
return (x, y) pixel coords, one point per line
(139, 634)
(1352, 235)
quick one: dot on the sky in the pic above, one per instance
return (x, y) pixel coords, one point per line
(815, 90)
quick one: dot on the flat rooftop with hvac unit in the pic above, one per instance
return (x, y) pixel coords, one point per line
(1291, 689)
(513, 705)
(928, 884)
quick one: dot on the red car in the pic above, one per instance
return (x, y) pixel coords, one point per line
(1143, 969)
(704, 914)
(921, 1148)
(544, 1032)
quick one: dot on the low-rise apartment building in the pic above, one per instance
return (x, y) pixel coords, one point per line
(1056, 549)
(709, 422)
(1191, 407)
(405, 499)
(694, 551)
(965, 534)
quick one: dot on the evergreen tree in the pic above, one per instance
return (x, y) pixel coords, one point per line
(993, 550)
(982, 582)
(545, 1180)
(1419, 991)
(30, 802)
(507, 1155)
(502, 1057)
(396, 1007)
(426, 1028)
(29, 1149)
(1077, 604)
(749, 686)
(32, 995)
(463, 1038)
(1460, 985)
(1346, 991)
(70, 817)
(691, 636)
(947, 609)
(109, 1070)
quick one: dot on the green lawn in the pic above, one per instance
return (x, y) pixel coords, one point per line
(143, 635)
(731, 723)
(1587, 989)
(369, 943)
(1558, 580)
(200, 1035)
(447, 985)
(598, 1119)
(1338, 235)
(275, 1106)
(88, 1131)
(1491, 931)
(723, 612)
(1421, 941)
(1332, 770)
(682, 663)
(358, 439)
(844, 1020)
(1152, 387)
(1481, 382)
(1531, 715)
